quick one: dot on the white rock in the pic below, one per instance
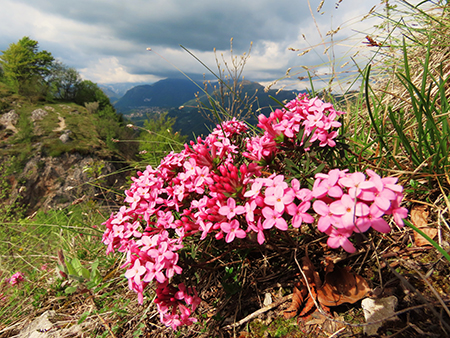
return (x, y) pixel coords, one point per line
(267, 299)
(378, 310)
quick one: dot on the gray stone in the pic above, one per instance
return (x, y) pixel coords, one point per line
(45, 326)
(38, 114)
(65, 137)
(10, 117)
(379, 311)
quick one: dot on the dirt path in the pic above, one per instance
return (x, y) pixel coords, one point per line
(62, 123)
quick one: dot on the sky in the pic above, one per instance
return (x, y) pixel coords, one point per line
(108, 41)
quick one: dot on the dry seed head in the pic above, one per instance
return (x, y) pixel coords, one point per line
(320, 6)
(304, 52)
(332, 32)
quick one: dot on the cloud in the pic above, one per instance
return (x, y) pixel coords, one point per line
(106, 40)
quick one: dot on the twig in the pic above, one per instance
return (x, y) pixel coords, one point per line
(337, 332)
(258, 312)
(106, 325)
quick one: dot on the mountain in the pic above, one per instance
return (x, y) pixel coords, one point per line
(165, 93)
(189, 121)
(116, 90)
(177, 96)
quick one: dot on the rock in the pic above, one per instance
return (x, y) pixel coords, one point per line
(65, 137)
(381, 309)
(55, 182)
(39, 327)
(43, 327)
(9, 120)
(10, 117)
(267, 299)
(38, 114)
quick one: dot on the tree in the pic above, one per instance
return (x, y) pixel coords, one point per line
(63, 81)
(87, 91)
(23, 63)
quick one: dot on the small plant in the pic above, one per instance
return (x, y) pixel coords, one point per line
(73, 269)
(92, 107)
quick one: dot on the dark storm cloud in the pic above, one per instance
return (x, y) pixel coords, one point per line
(200, 24)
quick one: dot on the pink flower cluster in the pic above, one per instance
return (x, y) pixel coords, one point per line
(348, 203)
(16, 278)
(220, 186)
(317, 120)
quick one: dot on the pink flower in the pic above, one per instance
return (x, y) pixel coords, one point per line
(299, 213)
(279, 198)
(255, 189)
(136, 272)
(328, 186)
(232, 230)
(259, 230)
(339, 238)
(205, 228)
(16, 278)
(230, 210)
(398, 212)
(249, 211)
(372, 220)
(273, 217)
(356, 183)
(348, 209)
(154, 271)
(327, 219)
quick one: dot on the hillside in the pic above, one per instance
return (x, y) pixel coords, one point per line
(52, 150)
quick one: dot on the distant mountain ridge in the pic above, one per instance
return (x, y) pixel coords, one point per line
(165, 93)
(116, 90)
(171, 94)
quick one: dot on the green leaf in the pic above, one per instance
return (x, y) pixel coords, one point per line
(77, 265)
(85, 273)
(70, 289)
(70, 269)
(94, 271)
(433, 243)
(83, 317)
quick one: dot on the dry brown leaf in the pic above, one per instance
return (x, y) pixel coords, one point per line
(341, 286)
(300, 293)
(419, 217)
(298, 298)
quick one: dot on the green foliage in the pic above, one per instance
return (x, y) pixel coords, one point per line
(88, 91)
(10, 208)
(157, 138)
(23, 64)
(424, 134)
(63, 81)
(92, 107)
(25, 129)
